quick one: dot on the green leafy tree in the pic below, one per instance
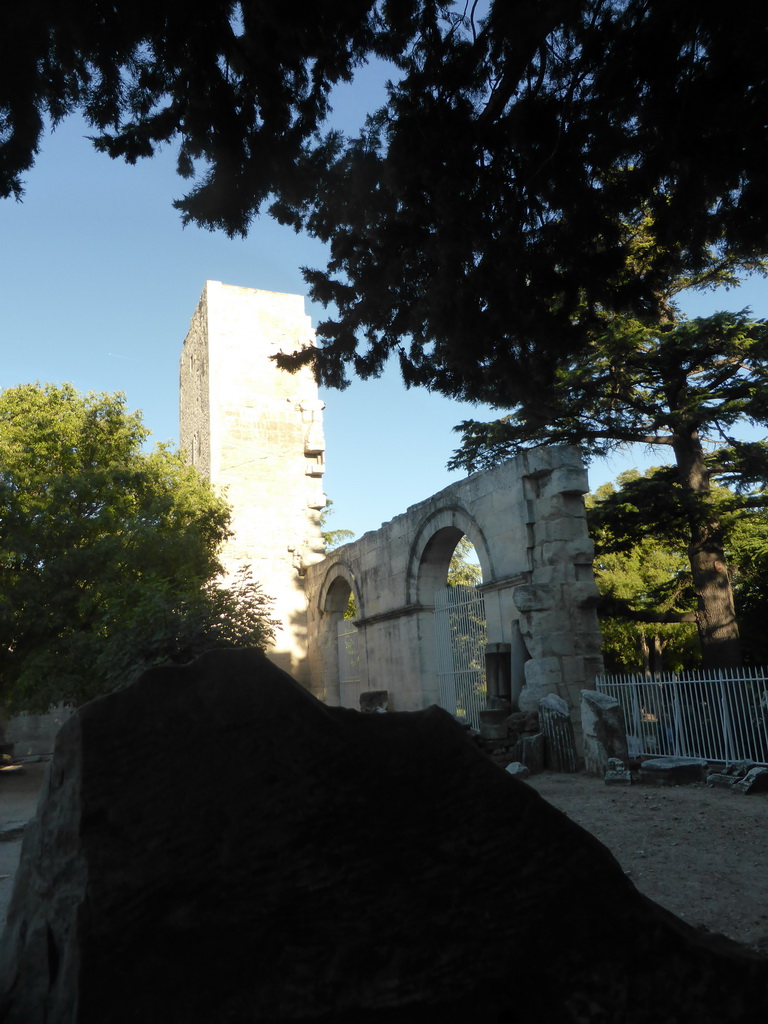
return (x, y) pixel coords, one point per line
(682, 385)
(463, 571)
(642, 568)
(644, 580)
(748, 556)
(481, 201)
(107, 554)
(482, 224)
(333, 538)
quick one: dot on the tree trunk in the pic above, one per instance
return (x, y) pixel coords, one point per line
(656, 655)
(645, 654)
(715, 616)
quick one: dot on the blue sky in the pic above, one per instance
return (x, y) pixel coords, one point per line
(98, 282)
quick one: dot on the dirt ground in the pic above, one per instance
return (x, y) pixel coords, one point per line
(700, 852)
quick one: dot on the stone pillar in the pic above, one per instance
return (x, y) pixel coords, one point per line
(557, 615)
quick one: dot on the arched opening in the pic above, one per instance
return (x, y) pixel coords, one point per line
(340, 609)
(464, 569)
(460, 625)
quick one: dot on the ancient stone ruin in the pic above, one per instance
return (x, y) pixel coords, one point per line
(258, 432)
(215, 845)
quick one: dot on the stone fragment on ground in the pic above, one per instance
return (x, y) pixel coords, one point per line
(673, 771)
(559, 740)
(368, 868)
(11, 830)
(529, 749)
(755, 781)
(603, 733)
(724, 776)
(616, 773)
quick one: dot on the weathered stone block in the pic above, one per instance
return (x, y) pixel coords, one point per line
(584, 594)
(538, 624)
(560, 743)
(604, 735)
(551, 644)
(516, 722)
(493, 724)
(533, 598)
(374, 700)
(308, 879)
(542, 676)
(587, 644)
(564, 529)
(542, 459)
(673, 771)
(755, 781)
(737, 769)
(568, 480)
(530, 751)
(553, 575)
(718, 780)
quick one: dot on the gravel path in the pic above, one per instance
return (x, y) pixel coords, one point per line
(698, 851)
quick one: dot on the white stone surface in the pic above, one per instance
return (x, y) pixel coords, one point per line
(604, 734)
(394, 573)
(256, 432)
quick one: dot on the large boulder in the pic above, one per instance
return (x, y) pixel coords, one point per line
(215, 846)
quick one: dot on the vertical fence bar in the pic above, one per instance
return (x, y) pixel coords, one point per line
(349, 660)
(720, 716)
(460, 635)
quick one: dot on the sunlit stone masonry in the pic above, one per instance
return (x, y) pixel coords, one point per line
(256, 432)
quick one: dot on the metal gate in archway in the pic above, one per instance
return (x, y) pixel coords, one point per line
(461, 637)
(350, 672)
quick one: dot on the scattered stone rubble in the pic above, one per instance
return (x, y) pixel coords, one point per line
(739, 776)
(518, 740)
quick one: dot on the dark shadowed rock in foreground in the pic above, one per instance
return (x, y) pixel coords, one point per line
(217, 846)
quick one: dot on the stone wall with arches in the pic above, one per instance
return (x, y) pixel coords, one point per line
(527, 523)
(257, 431)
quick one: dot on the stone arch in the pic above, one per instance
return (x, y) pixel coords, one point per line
(431, 551)
(331, 590)
(338, 583)
(430, 554)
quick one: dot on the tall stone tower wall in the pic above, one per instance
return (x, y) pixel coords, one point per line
(256, 433)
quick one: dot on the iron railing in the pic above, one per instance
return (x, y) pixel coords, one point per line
(350, 670)
(717, 715)
(460, 635)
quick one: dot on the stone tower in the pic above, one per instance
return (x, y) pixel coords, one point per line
(256, 433)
